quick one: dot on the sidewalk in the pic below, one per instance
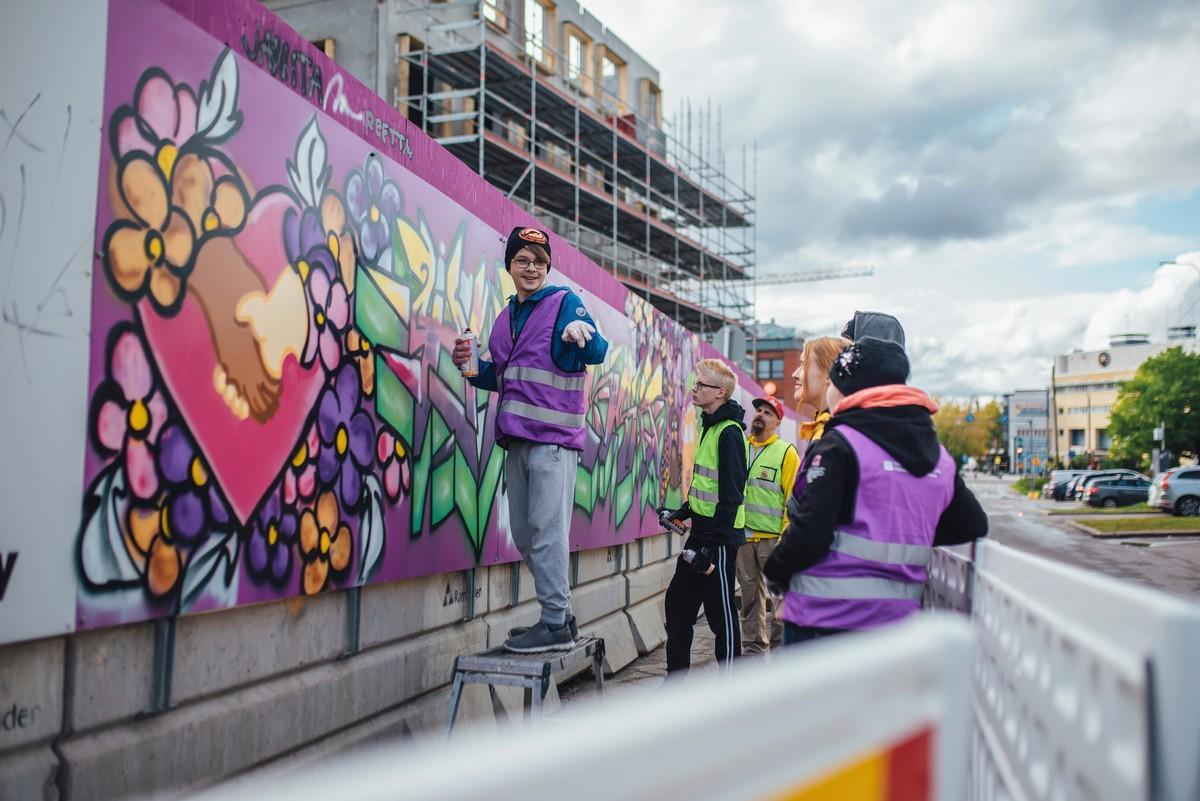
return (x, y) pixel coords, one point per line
(644, 675)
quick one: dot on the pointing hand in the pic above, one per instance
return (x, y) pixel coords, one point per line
(579, 332)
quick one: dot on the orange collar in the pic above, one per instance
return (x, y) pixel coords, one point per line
(884, 397)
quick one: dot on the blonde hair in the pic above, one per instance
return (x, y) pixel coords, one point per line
(820, 351)
(725, 377)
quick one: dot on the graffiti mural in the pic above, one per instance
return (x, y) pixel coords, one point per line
(273, 408)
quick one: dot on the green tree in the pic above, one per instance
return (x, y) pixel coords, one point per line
(1165, 389)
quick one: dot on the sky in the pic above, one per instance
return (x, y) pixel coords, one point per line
(1015, 172)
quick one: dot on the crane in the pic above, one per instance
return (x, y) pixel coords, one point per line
(823, 274)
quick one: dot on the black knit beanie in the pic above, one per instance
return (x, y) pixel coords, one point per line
(869, 362)
(519, 238)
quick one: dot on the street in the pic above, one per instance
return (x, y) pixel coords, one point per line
(1170, 564)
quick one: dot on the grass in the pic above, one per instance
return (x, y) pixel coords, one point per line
(1026, 484)
(1165, 523)
(1133, 508)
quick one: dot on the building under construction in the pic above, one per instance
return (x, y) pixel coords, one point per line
(567, 120)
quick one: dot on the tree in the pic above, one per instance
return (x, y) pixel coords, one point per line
(963, 437)
(1165, 389)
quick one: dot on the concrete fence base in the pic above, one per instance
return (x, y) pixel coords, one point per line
(173, 706)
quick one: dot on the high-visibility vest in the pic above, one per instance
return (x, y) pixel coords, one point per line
(702, 497)
(765, 501)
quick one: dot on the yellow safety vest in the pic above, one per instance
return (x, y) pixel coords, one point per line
(702, 497)
(764, 490)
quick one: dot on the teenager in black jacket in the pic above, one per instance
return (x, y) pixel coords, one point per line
(705, 569)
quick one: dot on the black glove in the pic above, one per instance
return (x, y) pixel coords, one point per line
(682, 513)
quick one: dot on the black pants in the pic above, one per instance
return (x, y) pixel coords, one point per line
(685, 595)
(795, 635)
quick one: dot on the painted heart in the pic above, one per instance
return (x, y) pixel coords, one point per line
(245, 455)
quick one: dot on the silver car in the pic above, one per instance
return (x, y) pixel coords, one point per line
(1178, 491)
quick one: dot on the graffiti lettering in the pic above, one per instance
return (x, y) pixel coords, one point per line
(340, 104)
(453, 596)
(293, 67)
(7, 563)
(387, 134)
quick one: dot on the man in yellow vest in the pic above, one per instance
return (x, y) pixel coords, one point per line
(773, 466)
(715, 505)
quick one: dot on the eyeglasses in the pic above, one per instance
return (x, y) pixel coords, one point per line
(696, 384)
(522, 263)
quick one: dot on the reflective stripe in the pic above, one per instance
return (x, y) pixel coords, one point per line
(522, 409)
(707, 472)
(892, 553)
(856, 589)
(536, 375)
(704, 496)
(773, 512)
(762, 483)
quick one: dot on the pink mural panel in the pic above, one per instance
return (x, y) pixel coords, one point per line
(283, 264)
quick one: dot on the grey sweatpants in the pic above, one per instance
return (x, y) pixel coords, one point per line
(541, 492)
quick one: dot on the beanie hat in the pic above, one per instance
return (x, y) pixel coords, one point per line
(869, 362)
(519, 238)
(873, 324)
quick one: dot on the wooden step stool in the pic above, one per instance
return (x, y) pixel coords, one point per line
(531, 671)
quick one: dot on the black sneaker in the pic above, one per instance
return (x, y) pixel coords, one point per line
(517, 631)
(539, 638)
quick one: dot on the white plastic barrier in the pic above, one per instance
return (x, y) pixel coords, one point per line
(1084, 686)
(868, 717)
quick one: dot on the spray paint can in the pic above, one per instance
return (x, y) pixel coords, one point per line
(668, 523)
(470, 368)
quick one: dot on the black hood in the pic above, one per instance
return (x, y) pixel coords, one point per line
(874, 324)
(905, 432)
(730, 410)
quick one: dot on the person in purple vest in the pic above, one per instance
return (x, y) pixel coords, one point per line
(541, 345)
(871, 500)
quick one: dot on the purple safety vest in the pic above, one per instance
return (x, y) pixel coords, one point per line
(875, 570)
(538, 401)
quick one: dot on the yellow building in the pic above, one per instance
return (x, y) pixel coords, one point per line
(1085, 388)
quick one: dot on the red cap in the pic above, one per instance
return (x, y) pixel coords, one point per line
(773, 402)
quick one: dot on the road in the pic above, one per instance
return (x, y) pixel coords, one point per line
(1170, 564)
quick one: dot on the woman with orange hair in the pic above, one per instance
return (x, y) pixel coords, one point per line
(812, 379)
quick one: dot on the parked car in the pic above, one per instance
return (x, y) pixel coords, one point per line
(1073, 484)
(1179, 491)
(1113, 492)
(1086, 481)
(1056, 487)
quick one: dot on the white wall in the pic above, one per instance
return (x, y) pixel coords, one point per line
(51, 90)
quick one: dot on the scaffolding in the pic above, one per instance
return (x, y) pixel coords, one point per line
(635, 195)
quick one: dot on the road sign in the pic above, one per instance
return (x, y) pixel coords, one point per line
(1020, 442)
(970, 418)
(964, 458)
(1157, 433)
(1036, 461)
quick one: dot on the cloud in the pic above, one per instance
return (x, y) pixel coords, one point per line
(990, 159)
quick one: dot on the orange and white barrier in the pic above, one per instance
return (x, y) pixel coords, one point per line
(878, 716)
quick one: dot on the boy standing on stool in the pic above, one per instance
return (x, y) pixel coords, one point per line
(716, 506)
(541, 345)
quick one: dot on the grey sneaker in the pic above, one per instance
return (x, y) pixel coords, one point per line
(539, 638)
(517, 631)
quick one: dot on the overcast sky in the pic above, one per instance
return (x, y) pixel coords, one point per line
(1015, 171)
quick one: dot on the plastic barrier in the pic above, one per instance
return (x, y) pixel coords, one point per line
(1083, 685)
(869, 717)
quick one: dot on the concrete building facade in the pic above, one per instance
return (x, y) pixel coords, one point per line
(1027, 429)
(1085, 385)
